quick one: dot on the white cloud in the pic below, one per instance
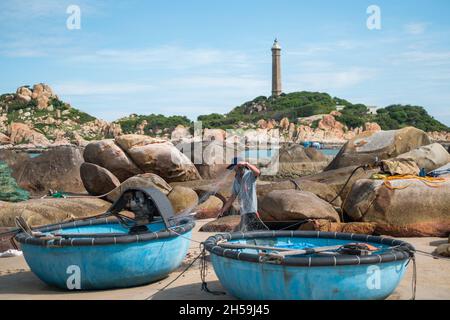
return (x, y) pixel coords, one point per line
(315, 64)
(331, 80)
(20, 45)
(429, 57)
(173, 57)
(32, 9)
(95, 88)
(328, 47)
(416, 28)
(242, 83)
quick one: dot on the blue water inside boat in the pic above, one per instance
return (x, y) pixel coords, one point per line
(86, 267)
(270, 281)
(107, 228)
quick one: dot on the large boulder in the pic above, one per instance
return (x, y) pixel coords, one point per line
(225, 224)
(128, 141)
(443, 250)
(408, 208)
(4, 139)
(214, 135)
(159, 157)
(48, 211)
(24, 94)
(109, 155)
(294, 205)
(180, 133)
(340, 180)
(42, 90)
(97, 180)
(56, 169)
(146, 180)
(297, 153)
(22, 134)
(350, 227)
(321, 190)
(430, 157)
(370, 146)
(372, 126)
(211, 158)
(295, 161)
(183, 199)
(209, 208)
(219, 188)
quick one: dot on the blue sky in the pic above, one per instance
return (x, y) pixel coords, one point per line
(196, 57)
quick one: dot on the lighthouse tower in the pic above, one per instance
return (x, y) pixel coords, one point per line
(276, 69)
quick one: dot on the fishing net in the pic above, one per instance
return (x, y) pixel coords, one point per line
(9, 189)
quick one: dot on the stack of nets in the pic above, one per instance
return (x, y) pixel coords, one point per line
(9, 189)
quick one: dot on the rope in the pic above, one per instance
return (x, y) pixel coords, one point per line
(178, 277)
(297, 186)
(346, 183)
(412, 258)
(429, 255)
(23, 225)
(13, 243)
(299, 223)
(66, 195)
(258, 217)
(182, 236)
(428, 181)
(204, 273)
(203, 265)
(414, 278)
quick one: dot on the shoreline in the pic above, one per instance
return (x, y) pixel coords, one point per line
(18, 283)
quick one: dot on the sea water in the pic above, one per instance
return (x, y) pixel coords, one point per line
(262, 154)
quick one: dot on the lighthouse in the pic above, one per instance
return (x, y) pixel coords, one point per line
(276, 69)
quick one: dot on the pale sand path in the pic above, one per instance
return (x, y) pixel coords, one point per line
(17, 282)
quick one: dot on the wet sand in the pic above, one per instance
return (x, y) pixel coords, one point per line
(17, 282)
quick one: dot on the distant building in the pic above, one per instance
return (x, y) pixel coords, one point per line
(276, 69)
(372, 110)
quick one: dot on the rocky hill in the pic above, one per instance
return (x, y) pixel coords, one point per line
(306, 104)
(35, 116)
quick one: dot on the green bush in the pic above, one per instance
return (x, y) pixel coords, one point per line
(399, 116)
(291, 105)
(391, 118)
(154, 122)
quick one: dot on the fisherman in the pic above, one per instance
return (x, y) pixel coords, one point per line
(244, 188)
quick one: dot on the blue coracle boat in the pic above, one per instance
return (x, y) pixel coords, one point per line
(249, 270)
(112, 251)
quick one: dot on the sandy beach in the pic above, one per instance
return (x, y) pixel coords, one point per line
(18, 283)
